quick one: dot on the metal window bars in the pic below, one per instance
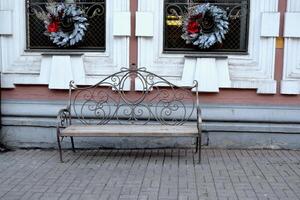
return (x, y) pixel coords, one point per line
(236, 39)
(94, 40)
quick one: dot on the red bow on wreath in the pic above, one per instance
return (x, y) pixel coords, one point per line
(53, 27)
(193, 27)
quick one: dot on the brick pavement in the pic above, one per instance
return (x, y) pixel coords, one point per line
(150, 174)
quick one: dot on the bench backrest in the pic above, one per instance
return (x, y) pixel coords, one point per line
(156, 100)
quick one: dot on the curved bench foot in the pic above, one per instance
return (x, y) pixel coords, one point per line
(59, 146)
(73, 147)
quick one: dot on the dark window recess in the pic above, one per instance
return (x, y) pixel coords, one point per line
(236, 39)
(94, 39)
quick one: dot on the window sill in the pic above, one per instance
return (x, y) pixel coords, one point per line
(206, 54)
(76, 52)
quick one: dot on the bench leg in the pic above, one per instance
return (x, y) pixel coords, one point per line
(59, 146)
(199, 149)
(196, 150)
(73, 147)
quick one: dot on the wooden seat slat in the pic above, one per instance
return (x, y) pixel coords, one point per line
(130, 131)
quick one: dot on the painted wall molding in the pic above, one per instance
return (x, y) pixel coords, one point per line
(210, 112)
(253, 71)
(290, 83)
(20, 67)
(32, 123)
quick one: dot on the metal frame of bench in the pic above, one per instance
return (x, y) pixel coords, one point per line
(92, 107)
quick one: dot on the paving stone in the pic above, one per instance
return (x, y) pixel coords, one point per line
(150, 175)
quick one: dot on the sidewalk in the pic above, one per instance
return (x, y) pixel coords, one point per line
(150, 174)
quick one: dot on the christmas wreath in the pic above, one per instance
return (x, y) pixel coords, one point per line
(205, 25)
(65, 23)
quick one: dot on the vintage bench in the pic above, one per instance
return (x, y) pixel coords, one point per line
(157, 109)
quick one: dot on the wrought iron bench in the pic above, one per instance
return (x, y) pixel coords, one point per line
(158, 109)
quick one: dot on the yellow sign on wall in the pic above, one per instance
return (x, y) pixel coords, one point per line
(279, 42)
(174, 21)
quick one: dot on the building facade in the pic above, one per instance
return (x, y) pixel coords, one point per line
(249, 79)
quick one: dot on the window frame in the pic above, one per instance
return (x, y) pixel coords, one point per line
(58, 50)
(213, 51)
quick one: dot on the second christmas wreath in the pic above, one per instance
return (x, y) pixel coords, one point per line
(205, 25)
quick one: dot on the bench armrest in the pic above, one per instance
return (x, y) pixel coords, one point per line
(63, 118)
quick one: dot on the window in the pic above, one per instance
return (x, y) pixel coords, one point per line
(67, 23)
(236, 39)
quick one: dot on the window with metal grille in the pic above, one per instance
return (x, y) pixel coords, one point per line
(236, 40)
(93, 40)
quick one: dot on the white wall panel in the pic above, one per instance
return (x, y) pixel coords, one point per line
(270, 24)
(291, 25)
(144, 24)
(6, 27)
(291, 73)
(60, 72)
(122, 24)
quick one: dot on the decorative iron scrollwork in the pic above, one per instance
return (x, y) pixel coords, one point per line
(159, 100)
(64, 118)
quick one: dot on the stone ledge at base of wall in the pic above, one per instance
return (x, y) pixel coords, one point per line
(30, 132)
(31, 124)
(44, 137)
